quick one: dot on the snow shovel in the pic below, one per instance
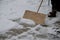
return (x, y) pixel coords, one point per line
(39, 18)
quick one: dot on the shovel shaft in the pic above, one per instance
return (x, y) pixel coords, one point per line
(39, 6)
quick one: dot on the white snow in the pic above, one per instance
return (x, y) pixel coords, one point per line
(58, 14)
(6, 24)
(50, 21)
(19, 27)
(14, 10)
(51, 30)
(27, 21)
(28, 36)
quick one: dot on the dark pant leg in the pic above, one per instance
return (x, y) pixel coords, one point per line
(53, 13)
(55, 5)
(53, 2)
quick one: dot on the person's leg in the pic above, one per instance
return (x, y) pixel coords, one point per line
(53, 13)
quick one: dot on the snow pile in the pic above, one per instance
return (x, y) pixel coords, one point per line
(6, 24)
(27, 22)
(19, 27)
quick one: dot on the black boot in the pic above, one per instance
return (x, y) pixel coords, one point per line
(52, 14)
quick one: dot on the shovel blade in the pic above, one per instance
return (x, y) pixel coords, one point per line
(39, 18)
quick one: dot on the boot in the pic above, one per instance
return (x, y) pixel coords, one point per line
(52, 14)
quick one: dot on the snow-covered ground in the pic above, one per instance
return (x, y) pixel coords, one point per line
(14, 27)
(14, 9)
